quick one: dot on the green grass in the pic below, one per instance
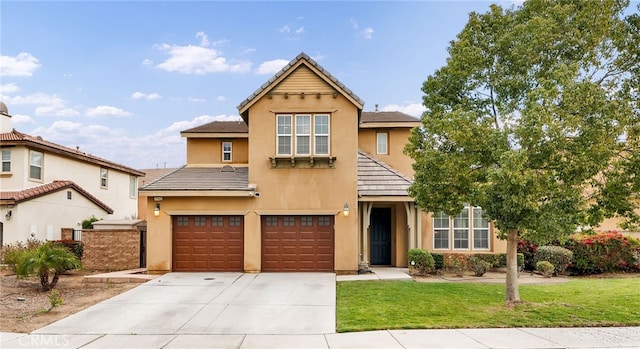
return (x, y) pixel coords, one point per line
(376, 305)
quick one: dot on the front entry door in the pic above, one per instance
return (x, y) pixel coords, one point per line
(380, 238)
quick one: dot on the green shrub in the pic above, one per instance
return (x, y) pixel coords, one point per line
(421, 260)
(88, 223)
(478, 265)
(603, 253)
(545, 268)
(438, 261)
(558, 256)
(46, 259)
(456, 262)
(11, 253)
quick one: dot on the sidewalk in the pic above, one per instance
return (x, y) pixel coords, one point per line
(517, 338)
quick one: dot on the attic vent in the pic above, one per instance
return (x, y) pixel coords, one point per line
(227, 168)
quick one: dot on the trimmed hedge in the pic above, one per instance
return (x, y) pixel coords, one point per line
(559, 257)
(438, 261)
(421, 260)
(604, 253)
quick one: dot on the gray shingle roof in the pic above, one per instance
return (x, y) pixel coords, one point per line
(203, 178)
(301, 56)
(375, 178)
(220, 127)
(386, 116)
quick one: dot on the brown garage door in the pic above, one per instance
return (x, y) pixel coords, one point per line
(208, 243)
(297, 243)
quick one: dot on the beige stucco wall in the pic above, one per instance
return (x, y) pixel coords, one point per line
(397, 139)
(207, 151)
(86, 175)
(42, 218)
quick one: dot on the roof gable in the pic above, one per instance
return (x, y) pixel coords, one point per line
(300, 60)
(16, 197)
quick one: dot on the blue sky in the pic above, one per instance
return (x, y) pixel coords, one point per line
(121, 79)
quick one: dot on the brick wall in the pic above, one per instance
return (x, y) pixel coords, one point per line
(109, 249)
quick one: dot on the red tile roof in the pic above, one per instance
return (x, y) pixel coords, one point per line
(16, 197)
(18, 138)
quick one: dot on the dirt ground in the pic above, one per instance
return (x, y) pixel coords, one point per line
(23, 304)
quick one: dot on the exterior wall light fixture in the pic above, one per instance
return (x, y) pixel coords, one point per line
(8, 215)
(156, 211)
(345, 210)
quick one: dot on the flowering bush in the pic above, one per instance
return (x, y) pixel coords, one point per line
(604, 253)
(528, 250)
(559, 257)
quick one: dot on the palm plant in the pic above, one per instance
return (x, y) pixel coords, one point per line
(44, 260)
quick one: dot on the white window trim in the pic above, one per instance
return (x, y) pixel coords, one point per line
(41, 166)
(386, 143)
(328, 135)
(5, 161)
(133, 187)
(471, 233)
(308, 135)
(105, 171)
(230, 151)
(290, 135)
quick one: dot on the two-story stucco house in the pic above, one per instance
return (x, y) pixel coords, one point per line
(307, 181)
(45, 187)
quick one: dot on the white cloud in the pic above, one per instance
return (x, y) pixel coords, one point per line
(47, 105)
(300, 30)
(24, 64)
(147, 96)
(285, 29)
(354, 23)
(192, 59)
(195, 99)
(271, 67)
(147, 62)
(179, 126)
(9, 88)
(413, 109)
(106, 110)
(204, 40)
(367, 33)
(21, 119)
(220, 99)
(248, 50)
(56, 110)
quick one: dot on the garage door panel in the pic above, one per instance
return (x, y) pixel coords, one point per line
(208, 243)
(297, 243)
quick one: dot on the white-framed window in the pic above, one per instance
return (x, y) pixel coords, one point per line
(283, 135)
(6, 161)
(464, 231)
(302, 134)
(480, 230)
(382, 146)
(321, 131)
(36, 160)
(104, 178)
(441, 231)
(133, 187)
(226, 151)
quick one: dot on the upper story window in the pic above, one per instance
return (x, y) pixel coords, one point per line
(133, 186)
(467, 230)
(36, 160)
(382, 143)
(104, 177)
(226, 151)
(6, 161)
(311, 136)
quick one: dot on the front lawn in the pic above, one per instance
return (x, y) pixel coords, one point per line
(376, 305)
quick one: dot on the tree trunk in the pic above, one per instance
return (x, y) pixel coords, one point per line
(54, 280)
(512, 294)
(44, 280)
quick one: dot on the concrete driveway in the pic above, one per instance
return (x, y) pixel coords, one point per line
(213, 303)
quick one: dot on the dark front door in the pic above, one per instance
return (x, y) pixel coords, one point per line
(380, 238)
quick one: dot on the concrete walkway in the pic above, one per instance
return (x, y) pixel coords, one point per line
(608, 337)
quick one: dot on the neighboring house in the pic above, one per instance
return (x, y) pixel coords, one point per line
(46, 187)
(307, 181)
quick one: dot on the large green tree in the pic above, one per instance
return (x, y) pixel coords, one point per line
(536, 118)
